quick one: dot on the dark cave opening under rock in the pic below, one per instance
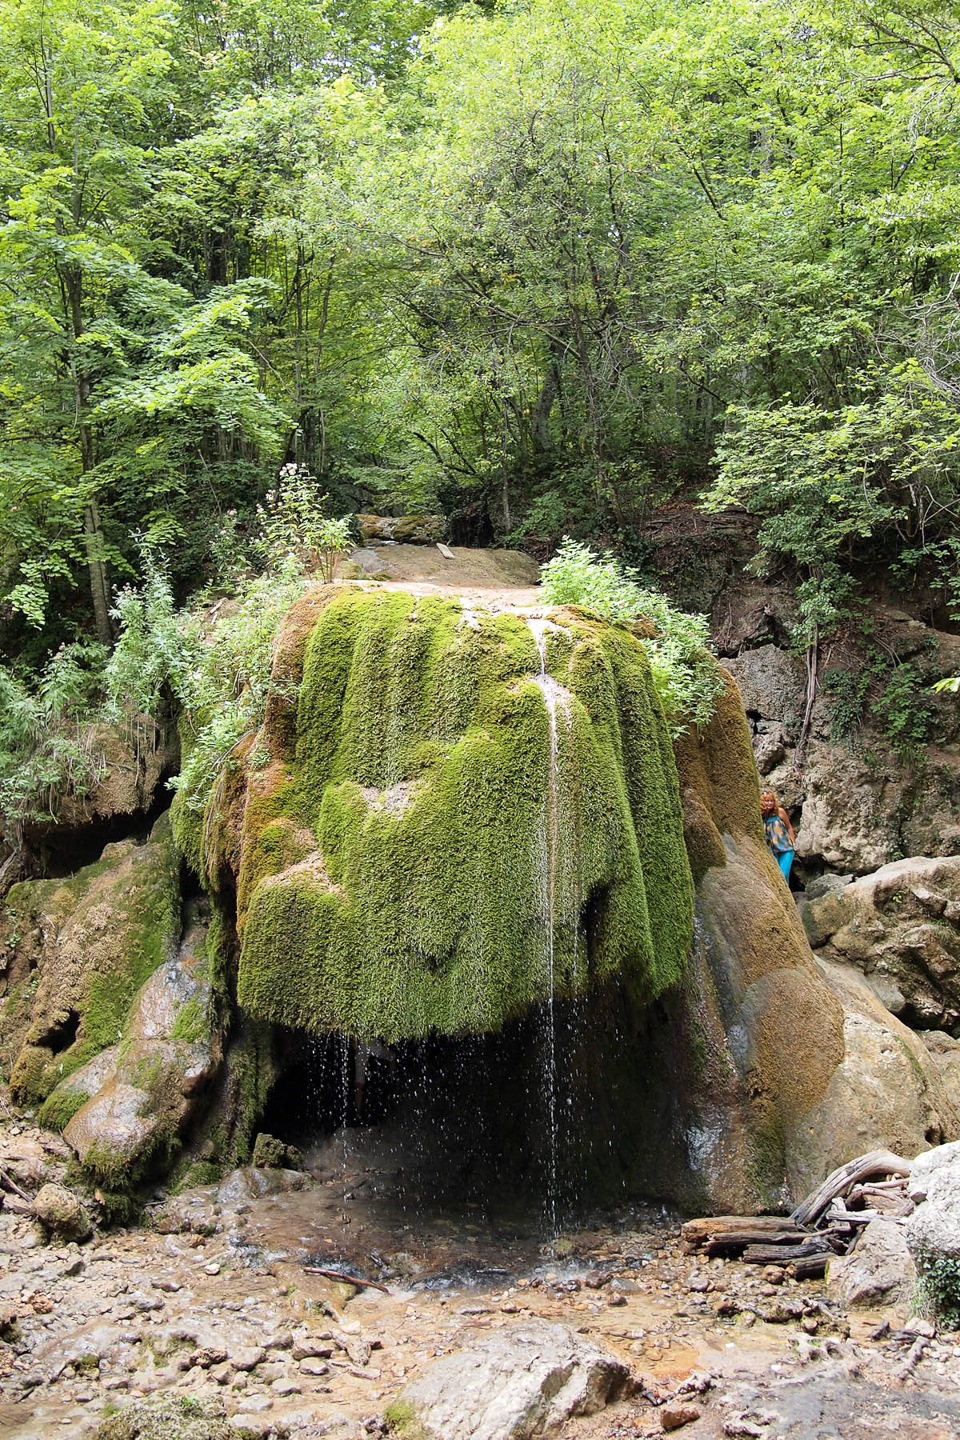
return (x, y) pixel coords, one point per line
(573, 1108)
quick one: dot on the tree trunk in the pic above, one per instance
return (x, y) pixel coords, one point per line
(97, 568)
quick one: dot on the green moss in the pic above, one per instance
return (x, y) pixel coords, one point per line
(403, 1421)
(469, 856)
(192, 1023)
(59, 1108)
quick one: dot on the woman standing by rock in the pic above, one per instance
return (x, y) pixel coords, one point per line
(779, 831)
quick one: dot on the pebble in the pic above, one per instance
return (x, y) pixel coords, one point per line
(314, 1367)
(673, 1417)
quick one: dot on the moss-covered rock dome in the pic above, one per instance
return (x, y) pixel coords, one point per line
(460, 814)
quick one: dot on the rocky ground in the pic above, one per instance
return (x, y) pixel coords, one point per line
(207, 1324)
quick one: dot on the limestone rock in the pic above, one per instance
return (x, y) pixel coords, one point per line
(933, 1230)
(945, 1051)
(879, 1271)
(856, 802)
(62, 1213)
(901, 927)
(407, 529)
(514, 1384)
(772, 683)
(887, 1090)
(425, 748)
(141, 1100)
(132, 763)
(81, 949)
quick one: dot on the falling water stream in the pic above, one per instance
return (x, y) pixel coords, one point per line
(556, 701)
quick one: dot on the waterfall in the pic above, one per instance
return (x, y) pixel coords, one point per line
(558, 871)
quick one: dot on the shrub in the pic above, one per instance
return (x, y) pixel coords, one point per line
(686, 678)
(939, 1287)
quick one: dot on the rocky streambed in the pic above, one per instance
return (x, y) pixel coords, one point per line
(207, 1323)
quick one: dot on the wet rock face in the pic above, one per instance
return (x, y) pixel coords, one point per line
(514, 1385)
(901, 927)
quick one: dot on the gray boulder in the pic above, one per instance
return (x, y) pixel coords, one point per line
(933, 1229)
(513, 1385)
(879, 1271)
(901, 927)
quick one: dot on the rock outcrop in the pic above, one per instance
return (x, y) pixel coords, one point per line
(464, 815)
(75, 953)
(514, 1384)
(901, 927)
(880, 771)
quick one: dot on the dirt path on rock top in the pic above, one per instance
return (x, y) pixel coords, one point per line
(492, 578)
(215, 1304)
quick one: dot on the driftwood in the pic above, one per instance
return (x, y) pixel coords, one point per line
(826, 1223)
(865, 1167)
(787, 1254)
(732, 1232)
(346, 1279)
(809, 1267)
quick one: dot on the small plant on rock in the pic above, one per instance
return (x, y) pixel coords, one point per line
(687, 681)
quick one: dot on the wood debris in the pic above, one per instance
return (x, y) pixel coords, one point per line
(828, 1222)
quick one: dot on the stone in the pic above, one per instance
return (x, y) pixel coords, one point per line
(886, 1092)
(514, 1384)
(878, 1271)
(892, 925)
(673, 1417)
(62, 1214)
(269, 1153)
(933, 1230)
(404, 529)
(86, 943)
(155, 1080)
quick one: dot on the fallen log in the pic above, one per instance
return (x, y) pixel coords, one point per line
(735, 1241)
(737, 1231)
(786, 1254)
(865, 1167)
(809, 1267)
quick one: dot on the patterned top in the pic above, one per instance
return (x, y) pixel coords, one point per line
(778, 836)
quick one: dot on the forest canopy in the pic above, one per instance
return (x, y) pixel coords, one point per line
(539, 266)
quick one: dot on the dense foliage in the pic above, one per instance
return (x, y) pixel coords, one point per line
(535, 263)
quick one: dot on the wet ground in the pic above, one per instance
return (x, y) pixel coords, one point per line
(215, 1301)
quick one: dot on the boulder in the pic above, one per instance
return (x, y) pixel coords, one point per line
(933, 1230)
(878, 1271)
(131, 1104)
(885, 1092)
(406, 529)
(61, 1213)
(901, 927)
(513, 1384)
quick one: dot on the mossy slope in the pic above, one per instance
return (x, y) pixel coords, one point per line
(471, 811)
(88, 943)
